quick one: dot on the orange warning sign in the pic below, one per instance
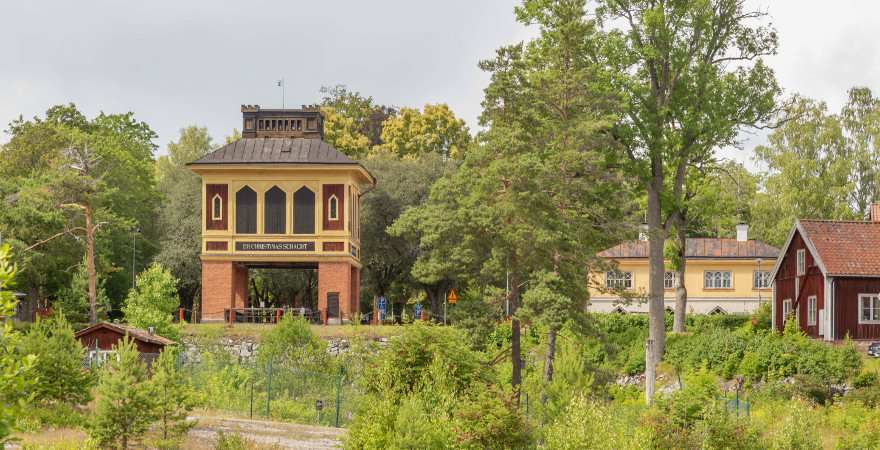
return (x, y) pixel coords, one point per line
(452, 296)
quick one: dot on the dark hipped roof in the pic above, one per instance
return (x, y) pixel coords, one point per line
(844, 248)
(134, 332)
(700, 248)
(276, 150)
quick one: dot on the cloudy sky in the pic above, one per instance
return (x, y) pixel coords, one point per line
(176, 63)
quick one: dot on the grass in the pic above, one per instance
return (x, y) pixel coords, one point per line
(256, 331)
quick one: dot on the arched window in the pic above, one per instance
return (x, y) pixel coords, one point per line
(216, 207)
(246, 211)
(304, 211)
(275, 214)
(333, 208)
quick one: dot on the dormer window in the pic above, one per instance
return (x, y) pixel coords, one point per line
(333, 208)
(216, 207)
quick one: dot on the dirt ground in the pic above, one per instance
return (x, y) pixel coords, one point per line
(260, 434)
(264, 434)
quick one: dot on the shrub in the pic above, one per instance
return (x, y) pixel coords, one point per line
(153, 302)
(594, 425)
(126, 402)
(292, 340)
(73, 300)
(797, 430)
(59, 362)
(428, 389)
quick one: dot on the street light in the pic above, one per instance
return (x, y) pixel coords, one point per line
(134, 233)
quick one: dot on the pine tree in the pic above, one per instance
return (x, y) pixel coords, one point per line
(126, 399)
(59, 362)
(176, 398)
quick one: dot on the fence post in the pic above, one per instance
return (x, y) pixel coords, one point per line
(268, 386)
(252, 398)
(338, 394)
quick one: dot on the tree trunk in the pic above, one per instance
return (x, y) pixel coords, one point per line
(680, 290)
(516, 372)
(650, 372)
(90, 266)
(656, 240)
(548, 362)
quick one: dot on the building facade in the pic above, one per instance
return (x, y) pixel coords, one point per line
(280, 197)
(721, 276)
(828, 279)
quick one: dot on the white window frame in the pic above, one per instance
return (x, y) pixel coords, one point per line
(812, 307)
(801, 262)
(615, 279)
(873, 306)
(718, 279)
(333, 207)
(216, 207)
(761, 279)
(670, 281)
(786, 309)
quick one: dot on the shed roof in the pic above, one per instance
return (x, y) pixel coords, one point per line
(706, 248)
(135, 332)
(276, 151)
(844, 248)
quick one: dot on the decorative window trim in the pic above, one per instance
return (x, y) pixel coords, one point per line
(812, 308)
(717, 279)
(717, 310)
(216, 207)
(786, 309)
(801, 262)
(618, 280)
(670, 279)
(333, 207)
(761, 279)
(873, 308)
(618, 310)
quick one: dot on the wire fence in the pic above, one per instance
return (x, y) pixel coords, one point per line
(279, 390)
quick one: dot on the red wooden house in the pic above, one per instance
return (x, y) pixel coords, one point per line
(100, 339)
(828, 279)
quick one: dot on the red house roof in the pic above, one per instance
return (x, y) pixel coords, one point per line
(706, 248)
(843, 248)
(133, 332)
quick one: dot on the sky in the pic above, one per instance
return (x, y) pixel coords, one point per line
(194, 62)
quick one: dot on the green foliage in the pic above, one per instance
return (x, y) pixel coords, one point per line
(175, 397)
(15, 370)
(180, 215)
(429, 390)
(797, 430)
(292, 340)
(154, 301)
(73, 300)
(126, 399)
(412, 133)
(118, 185)
(58, 367)
(594, 425)
(476, 314)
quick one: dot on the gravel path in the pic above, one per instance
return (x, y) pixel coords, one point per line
(264, 433)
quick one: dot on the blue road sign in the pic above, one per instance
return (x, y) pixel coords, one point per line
(382, 304)
(418, 311)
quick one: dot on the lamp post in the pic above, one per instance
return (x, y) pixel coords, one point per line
(134, 233)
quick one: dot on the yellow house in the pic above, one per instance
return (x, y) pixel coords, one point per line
(722, 275)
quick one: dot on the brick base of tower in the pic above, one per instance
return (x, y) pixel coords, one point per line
(224, 286)
(339, 280)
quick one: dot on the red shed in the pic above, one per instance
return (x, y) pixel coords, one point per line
(828, 279)
(100, 338)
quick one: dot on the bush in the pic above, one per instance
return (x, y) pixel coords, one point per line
(15, 379)
(428, 389)
(153, 302)
(59, 362)
(292, 340)
(594, 425)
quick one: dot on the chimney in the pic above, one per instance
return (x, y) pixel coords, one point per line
(151, 330)
(742, 232)
(643, 232)
(875, 212)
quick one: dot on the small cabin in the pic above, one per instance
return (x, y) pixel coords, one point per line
(827, 278)
(100, 340)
